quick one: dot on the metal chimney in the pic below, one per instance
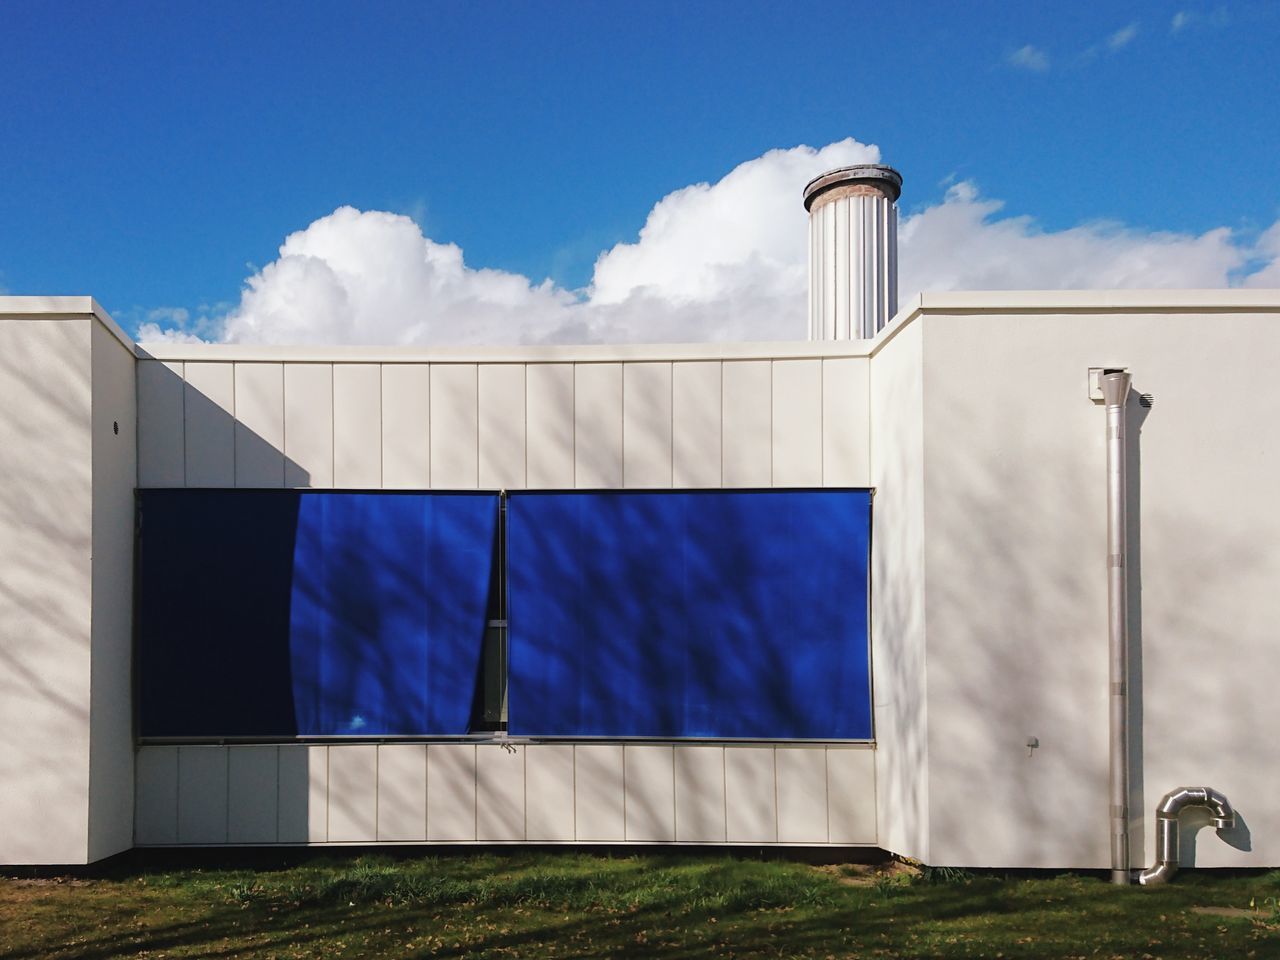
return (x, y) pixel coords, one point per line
(853, 251)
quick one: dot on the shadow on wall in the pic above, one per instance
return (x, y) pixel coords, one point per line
(1017, 639)
(45, 551)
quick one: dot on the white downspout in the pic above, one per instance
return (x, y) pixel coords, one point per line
(1115, 393)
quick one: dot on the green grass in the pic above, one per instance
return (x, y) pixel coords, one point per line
(579, 905)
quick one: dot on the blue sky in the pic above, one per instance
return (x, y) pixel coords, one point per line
(156, 155)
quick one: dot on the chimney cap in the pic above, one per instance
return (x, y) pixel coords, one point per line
(878, 175)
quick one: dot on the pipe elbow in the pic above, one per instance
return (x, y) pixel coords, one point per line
(1221, 813)
(1160, 873)
(1220, 809)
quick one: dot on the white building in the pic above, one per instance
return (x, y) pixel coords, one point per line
(971, 417)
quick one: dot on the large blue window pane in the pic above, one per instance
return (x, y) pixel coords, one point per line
(689, 614)
(313, 614)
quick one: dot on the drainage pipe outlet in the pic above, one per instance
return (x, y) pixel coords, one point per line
(1174, 802)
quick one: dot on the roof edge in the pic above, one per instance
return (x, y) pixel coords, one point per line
(63, 308)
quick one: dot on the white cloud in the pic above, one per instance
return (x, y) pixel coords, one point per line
(1030, 58)
(1180, 20)
(713, 261)
(1122, 37)
(963, 244)
(1267, 255)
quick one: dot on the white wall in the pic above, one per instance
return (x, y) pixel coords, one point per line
(114, 463)
(898, 664)
(45, 583)
(544, 418)
(750, 420)
(1014, 474)
(495, 793)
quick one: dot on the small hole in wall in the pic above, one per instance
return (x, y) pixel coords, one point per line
(115, 427)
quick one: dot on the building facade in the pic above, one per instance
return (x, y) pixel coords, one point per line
(967, 423)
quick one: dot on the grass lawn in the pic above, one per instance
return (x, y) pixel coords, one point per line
(567, 904)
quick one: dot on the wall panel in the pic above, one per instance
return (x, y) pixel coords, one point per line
(549, 417)
(454, 426)
(209, 424)
(549, 792)
(156, 804)
(851, 795)
(160, 424)
(406, 425)
(303, 794)
(353, 793)
(451, 791)
(499, 792)
(357, 412)
(747, 426)
(646, 425)
(202, 794)
(696, 423)
(308, 424)
(252, 794)
(750, 800)
(597, 425)
(402, 791)
(797, 423)
(650, 789)
(259, 424)
(802, 793)
(846, 433)
(699, 788)
(598, 792)
(502, 429)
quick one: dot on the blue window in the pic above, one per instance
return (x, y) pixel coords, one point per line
(279, 614)
(713, 614)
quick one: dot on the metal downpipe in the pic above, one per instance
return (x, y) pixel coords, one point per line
(1174, 802)
(1115, 393)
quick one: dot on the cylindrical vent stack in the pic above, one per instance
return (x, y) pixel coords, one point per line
(853, 251)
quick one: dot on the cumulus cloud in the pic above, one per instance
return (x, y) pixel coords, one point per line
(1030, 58)
(963, 244)
(713, 261)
